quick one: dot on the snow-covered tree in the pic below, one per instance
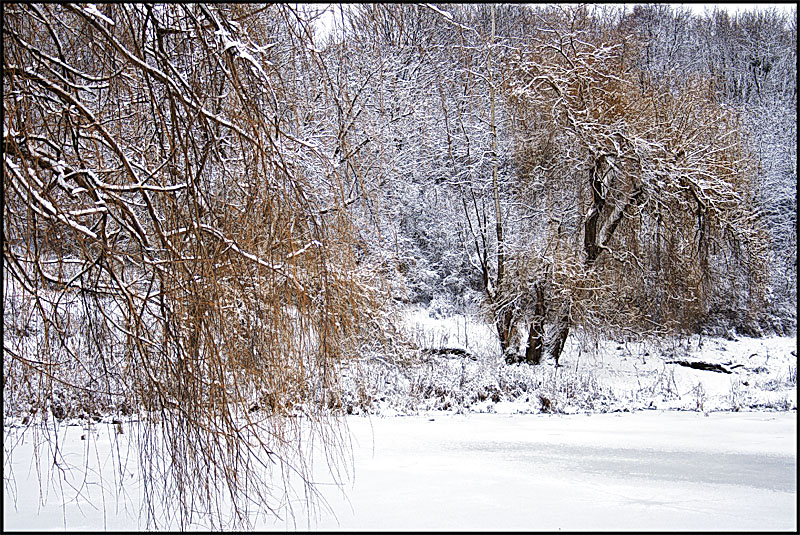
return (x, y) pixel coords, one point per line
(646, 187)
(175, 238)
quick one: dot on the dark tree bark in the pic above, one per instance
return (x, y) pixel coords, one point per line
(505, 329)
(533, 353)
(590, 241)
(561, 333)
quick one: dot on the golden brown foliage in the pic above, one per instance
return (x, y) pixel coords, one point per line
(170, 247)
(650, 180)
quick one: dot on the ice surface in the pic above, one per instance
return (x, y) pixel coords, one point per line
(648, 470)
(643, 471)
(633, 443)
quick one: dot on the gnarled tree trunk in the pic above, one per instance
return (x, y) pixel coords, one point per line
(535, 348)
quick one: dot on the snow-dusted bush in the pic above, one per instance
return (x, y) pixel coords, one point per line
(437, 371)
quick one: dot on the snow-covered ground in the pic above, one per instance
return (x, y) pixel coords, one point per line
(619, 437)
(644, 471)
(593, 376)
(648, 470)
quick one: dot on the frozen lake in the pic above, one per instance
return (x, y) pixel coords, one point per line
(640, 471)
(647, 470)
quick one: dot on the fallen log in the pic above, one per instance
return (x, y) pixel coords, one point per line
(450, 352)
(699, 365)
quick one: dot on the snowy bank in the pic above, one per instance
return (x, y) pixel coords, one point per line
(456, 367)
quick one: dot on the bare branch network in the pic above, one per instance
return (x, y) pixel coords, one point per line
(209, 211)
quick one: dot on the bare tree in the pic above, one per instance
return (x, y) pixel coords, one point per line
(176, 243)
(650, 181)
(750, 60)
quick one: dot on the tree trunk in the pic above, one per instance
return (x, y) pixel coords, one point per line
(533, 353)
(560, 337)
(505, 317)
(506, 330)
(598, 202)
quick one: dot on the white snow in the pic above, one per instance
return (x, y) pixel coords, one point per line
(643, 471)
(649, 470)
(593, 376)
(631, 442)
(89, 8)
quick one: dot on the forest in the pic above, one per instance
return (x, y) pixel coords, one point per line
(212, 211)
